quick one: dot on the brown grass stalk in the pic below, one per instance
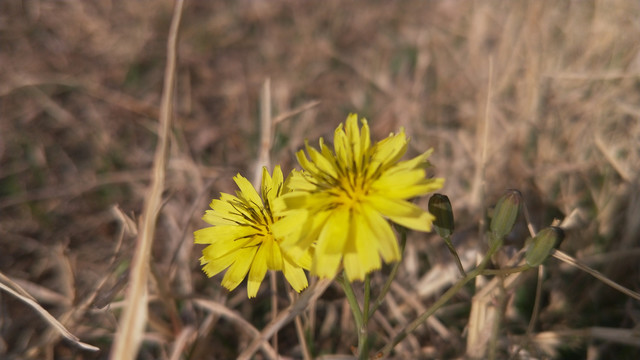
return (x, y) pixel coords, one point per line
(133, 320)
(16, 290)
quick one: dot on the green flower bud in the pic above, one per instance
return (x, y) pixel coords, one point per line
(506, 213)
(440, 207)
(541, 245)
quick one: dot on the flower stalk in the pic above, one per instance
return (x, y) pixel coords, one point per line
(386, 350)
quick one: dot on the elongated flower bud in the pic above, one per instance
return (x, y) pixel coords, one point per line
(506, 213)
(542, 244)
(440, 207)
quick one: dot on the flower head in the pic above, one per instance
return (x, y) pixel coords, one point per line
(241, 238)
(343, 200)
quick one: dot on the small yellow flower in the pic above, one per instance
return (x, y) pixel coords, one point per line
(241, 238)
(343, 199)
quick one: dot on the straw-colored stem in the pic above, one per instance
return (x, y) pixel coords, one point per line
(306, 355)
(598, 275)
(310, 295)
(132, 323)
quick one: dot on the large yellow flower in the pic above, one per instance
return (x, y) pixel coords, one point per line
(241, 238)
(343, 199)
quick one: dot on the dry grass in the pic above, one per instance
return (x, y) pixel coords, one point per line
(79, 107)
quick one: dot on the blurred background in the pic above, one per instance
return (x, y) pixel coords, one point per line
(541, 96)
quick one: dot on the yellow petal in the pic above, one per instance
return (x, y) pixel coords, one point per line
(327, 153)
(421, 223)
(353, 267)
(352, 130)
(212, 268)
(394, 182)
(298, 181)
(290, 225)
(258, 271)
(312, 228)
(324, 166)
(393, 207)
(247, 191)
(387, 242)
(298, 255)
(265, 185)
(215, 218)
(305, 163)
(240, 267)
(326, 266)
(365, 138)
(342, 149)
(365, 257)
(406, 184)
(228, 209)
(218, 233)
(367, 245)
(425, 187)
(278, 178)
(220, 249)
(389, 150)
(419, 161)
(402, 212)
(223, 205)
(303, 259)
(290, 201)
(273, 254)
(295, 276)
(334, 233)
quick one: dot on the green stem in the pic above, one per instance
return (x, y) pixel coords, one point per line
(390, 278)
(351, 298)
(386, 350)
(367, 297)
(452, 250)
(504, 272)
(363, 336)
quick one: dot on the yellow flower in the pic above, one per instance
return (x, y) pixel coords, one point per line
(343, 199)
(241, 238)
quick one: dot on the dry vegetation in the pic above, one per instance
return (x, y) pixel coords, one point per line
(556, 85)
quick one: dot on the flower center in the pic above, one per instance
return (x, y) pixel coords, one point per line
(352, 189)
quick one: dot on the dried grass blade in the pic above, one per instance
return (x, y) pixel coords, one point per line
(224, 311)
(14, 289)
(596, 274)
(129, 335)
(309, 295)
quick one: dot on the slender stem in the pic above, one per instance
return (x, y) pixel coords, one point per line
(351, 298)
(536, 302)
(505, 272)
(367, 297)
(302, 339)
(497, 321)
(392, 276)
(452, 250)
(363, 336)
(274, 305)
(386, 350)
(598, 275)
